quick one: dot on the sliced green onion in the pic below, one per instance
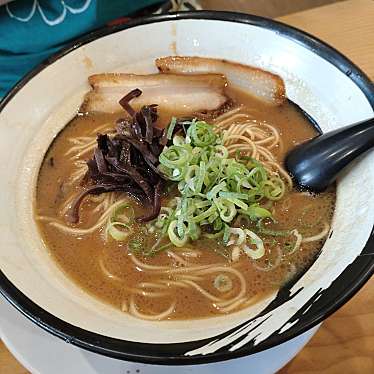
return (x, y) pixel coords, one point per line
(116, 233)
(174, 156)
(214, 187)
(179, 140)
(191, 172)
(119, 213)
(158, 249)
(201, 134)
(215, 235)
(221, 151)
(215, 190)
(238, 203)
(240, 233)
(200, 177)
(222, 283)
(193, 231)
(173, 236)
(200, 217)
(171, 127)
(255, 212)
(265, 231)
(274, 188)
(233, 195)
(298, 241)
(218, 224)
(226, 208)
(257, 241)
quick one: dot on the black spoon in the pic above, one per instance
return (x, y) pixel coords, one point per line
(315, 164)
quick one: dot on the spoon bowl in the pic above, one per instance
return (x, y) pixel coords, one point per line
(315, 164)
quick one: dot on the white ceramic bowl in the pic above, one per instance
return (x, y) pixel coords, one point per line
(319, 79)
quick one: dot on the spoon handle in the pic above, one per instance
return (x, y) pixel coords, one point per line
(316, 163)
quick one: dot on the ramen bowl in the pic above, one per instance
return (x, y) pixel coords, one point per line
(319, 79)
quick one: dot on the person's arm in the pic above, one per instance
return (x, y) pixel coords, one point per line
(2, 2)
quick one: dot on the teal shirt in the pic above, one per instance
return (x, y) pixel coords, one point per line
(31, 30)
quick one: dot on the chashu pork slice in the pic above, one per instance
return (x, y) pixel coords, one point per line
(177, 93)
(262, 84)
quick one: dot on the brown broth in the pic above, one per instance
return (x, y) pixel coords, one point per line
(79, 256)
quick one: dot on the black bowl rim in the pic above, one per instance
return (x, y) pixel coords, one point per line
(172, 354)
